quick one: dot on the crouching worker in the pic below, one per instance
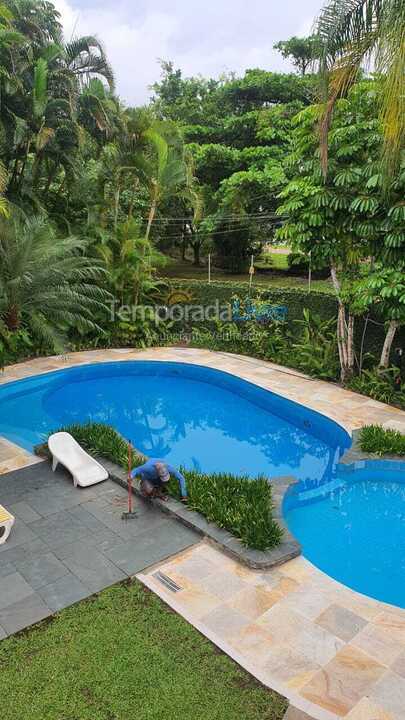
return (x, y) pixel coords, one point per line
(154, 476)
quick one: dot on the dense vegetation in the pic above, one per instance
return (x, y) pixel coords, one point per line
(241, 505)
(375, 439)
(95, 196)
(94, 661)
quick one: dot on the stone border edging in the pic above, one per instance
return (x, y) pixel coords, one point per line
(288, 549)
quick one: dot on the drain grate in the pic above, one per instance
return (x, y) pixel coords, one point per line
(167, 582)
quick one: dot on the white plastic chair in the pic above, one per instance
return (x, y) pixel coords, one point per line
(6, 523)
(66, 451)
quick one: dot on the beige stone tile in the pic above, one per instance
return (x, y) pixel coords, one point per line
(393, 623)
(254, 601)
(287, 665)
(282, 623)
(298, 569)
(253, 642)
(223, 584)
(367, 608)
(341, 622)
(316, 643)
(367, 710)
(309, 601)
(341, 684)
(197, 602)
(225, 621)
(398, 665)
(195, 568)
(389, 692)
(383, 646)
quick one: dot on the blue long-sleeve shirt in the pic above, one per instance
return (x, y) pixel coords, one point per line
(148, 471)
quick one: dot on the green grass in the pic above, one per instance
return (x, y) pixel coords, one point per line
(239, 504)
(375, 439)
(272, 261)
(179, 270)
(121, 655)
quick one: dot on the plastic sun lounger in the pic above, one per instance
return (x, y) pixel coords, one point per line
(84, 469)
(6, 523)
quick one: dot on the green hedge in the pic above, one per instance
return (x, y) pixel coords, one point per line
(321, 302)
(239, 504)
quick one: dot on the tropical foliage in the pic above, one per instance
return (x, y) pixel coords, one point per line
(95, 195)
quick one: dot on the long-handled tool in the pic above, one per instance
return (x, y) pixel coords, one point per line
(131, 513)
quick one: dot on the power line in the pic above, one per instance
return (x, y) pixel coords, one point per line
(222, 218)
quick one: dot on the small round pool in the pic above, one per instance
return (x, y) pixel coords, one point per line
(353, 527)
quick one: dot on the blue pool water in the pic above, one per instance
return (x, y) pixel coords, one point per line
(353, 527)
(350, 524)
(196, 417)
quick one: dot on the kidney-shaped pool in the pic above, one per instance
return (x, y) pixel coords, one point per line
(349, 525)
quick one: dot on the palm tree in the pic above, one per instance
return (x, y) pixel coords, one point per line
(357, 32)
(47, 284)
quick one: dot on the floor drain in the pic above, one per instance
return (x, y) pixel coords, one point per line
(167, 582)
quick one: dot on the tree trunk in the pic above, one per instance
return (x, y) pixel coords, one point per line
(386, 351)
(12, 318)
(152, 211)
(345, 333)
(196, 250)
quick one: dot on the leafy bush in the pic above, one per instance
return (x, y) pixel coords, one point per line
(379, 385)
(238, 504)
(375, 439)
(316, 350)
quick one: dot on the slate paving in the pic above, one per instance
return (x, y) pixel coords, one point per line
(68, 543)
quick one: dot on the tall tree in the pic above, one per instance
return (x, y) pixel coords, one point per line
(301, 51)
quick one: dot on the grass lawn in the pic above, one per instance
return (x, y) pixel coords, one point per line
(177, 269)
(121, 655)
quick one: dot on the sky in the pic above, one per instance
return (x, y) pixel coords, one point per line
(206, 37)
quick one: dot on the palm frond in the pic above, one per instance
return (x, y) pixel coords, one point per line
(39, 93)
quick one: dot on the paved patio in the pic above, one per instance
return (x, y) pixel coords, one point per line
(332, 652)
(68, 543)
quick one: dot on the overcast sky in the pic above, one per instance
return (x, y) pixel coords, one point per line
(200, 36)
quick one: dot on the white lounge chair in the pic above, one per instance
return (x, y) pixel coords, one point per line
(66, 451)
(6, 523)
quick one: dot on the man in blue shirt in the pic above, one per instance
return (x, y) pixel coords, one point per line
(154, 474)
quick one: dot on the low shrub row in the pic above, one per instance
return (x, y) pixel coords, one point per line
(375, 439)
(241, 505)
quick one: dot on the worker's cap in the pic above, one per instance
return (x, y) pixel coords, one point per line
(163, 472)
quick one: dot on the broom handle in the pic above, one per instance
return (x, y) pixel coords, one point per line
(129, 477)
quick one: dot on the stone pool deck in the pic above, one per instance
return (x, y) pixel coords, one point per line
(334, 653)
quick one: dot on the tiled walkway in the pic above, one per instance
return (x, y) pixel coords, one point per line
(335, 654)
(68, 543)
